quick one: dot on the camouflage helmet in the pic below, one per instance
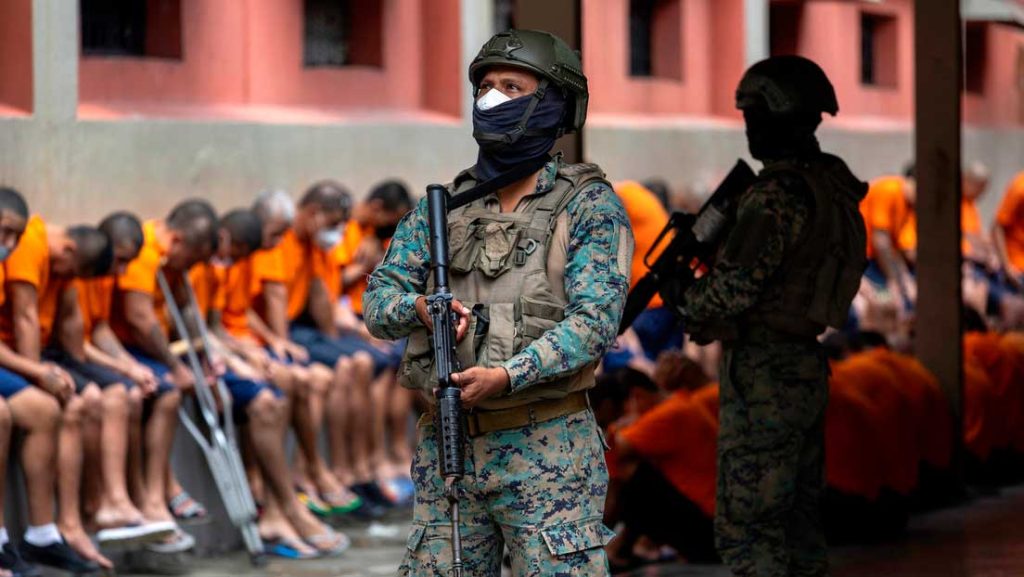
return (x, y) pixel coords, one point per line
(787, 86)
(543, 54)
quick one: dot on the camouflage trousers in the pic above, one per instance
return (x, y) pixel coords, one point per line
(539, 489)
(771, 451)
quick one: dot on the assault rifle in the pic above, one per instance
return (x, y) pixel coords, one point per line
(451, 431)
(693, 244)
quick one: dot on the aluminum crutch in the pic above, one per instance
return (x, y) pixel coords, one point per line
(221, 448)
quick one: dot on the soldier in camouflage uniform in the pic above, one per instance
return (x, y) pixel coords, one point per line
(788, 268)
(540, 254)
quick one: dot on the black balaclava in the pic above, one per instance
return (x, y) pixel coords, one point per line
(518, 131)
(773, 137)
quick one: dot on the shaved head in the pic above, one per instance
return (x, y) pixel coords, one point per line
(94, 252)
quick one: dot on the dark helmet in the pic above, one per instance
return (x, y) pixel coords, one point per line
(543, 54)
(787, 86)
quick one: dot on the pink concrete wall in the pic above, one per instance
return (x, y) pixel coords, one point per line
(1002, 101)
(830, 35)
(15, 56)
(249, 52)
(606, 60)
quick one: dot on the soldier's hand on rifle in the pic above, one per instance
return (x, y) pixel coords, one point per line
(457, 307)
(479, 384)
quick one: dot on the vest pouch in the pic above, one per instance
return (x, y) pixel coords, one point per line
(499, 240)
(417, 368)
(464, 249)
(836, 285)
(503, 338)
(537, 318)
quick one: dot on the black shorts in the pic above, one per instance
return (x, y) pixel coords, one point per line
(84, 372)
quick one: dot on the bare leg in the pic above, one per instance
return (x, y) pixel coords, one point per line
(267, 425)
(399, 409)
(339, 421)
(136, 479)
(87, 405)
(5, 447)
(117, 506)
(38, 414)
(377, 441)
(361, 433)
(159, 439)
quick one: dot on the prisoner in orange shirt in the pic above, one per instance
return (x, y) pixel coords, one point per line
(1008, 232)
(886, 209)
(367, 234)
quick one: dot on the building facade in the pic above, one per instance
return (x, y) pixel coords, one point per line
(104, 106)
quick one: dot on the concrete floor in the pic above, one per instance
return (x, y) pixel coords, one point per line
(984, 538)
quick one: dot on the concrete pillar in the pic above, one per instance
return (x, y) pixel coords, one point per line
(55, 59)
(756, 33)
(937, 94)
(563, 19)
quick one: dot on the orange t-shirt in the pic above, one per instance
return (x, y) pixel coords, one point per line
(208, 281)
(345, 252)
(95, 296)
(141, 276)
(295, 264)
(891, 411)
(884, 209)
(647, 218)
(238, 296)
(679, 438)
(30, 263)
(970, 223)
(1011, 218)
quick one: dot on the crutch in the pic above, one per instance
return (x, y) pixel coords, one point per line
(221, 448)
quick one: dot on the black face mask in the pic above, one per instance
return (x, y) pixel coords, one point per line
(517, 131)
(772, 137)
(385, 232)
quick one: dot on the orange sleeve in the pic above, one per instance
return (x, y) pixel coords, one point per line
(970, 219)
(267, 266)
(140, 274)
(907, 239)
(1010, 206)
(29, 262)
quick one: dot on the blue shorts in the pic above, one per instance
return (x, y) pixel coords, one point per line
(244, 392)
(659, 329)
(84, 372)
(328, 350)
(874, 273)
(11, 383)
(159, 369)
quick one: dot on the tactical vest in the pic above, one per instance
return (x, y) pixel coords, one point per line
(822, 274)
(509, 268)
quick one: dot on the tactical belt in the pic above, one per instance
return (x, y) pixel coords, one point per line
(756, 333)
(480, 422)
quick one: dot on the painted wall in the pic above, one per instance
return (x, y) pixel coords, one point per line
(1002, 100)
(248, 53)
(15, 57)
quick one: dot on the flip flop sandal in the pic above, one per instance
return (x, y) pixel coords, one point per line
(312, 504)
(186, 510)
(332, 500)
(326, 538)
(286, 549)
(182, 542)
(135, 534)
(396, 492)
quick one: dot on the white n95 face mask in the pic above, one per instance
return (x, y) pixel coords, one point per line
(492, 98)
(328, 238)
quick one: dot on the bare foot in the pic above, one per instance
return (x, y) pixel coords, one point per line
(333, 491)
(157, 512)
(283, 531)
(118, 515)
(314, 532)
(76, 538)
